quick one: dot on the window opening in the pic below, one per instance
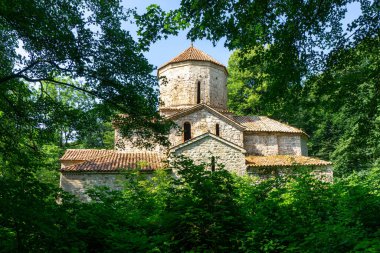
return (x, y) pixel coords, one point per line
(186, 131)
(212, 163)
(199, 93)
(217, 129)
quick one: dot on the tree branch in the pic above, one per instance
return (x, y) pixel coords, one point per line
(16, 75)
(92, 93)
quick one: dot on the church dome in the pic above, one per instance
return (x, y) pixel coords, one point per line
(192, 54)
(193, 77)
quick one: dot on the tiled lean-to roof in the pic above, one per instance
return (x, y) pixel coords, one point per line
(115, 161)
(265, 124)
(84, 154)
(283, 161)
(193, 54)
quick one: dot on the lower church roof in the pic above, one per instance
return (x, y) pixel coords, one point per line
(265, 124)
(113, 161)
(84, 154)
(284, 161)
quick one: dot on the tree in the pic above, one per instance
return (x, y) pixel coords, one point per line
(299, 33)
(285, 48)
(76, 118)
(341, 108)
(47, 41)
(245, 86)
(202, 213)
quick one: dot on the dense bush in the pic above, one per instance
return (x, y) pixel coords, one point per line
(200, 211)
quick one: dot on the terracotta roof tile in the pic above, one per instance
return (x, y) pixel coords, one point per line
(283, 160)
(265, 124)
(84, 154)
(119, 160)
(193, 54)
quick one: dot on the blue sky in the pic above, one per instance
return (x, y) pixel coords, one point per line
(162, 51)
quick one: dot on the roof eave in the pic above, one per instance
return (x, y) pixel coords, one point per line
(173, 63)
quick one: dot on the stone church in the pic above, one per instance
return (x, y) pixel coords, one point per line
(194, 96)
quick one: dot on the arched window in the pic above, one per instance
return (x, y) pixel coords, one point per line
(217, 129)
(199, 93)
(186, 131)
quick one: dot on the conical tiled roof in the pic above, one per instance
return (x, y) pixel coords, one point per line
(193, 54)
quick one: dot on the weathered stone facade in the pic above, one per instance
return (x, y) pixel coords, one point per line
(275, 144)
(179, 84)
(78, 183)
(127, 145)
(201, 150)
(261, 143)
(204, 121)
(289, 144)
(193, 90)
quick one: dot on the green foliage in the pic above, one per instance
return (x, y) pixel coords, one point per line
(295, 62)
(200, 211)
(44, 42)
(246, 86)
(66, 69)
(280, 44)
(341, 108)
(202, 214)
(297, 34)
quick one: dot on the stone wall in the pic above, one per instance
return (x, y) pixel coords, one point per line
(289, 145)
(179, 88)
(304, 149)
(274, 144)
(78, 183)
(200, 151)
(261, 143)
(203, 121)
(127, 145)
(324, 173)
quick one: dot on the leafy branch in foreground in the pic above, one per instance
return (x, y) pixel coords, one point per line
(48, 41)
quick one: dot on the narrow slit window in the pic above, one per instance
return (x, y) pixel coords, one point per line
(217, 129)
(199, 92)
(186, 131)
(212, 163)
